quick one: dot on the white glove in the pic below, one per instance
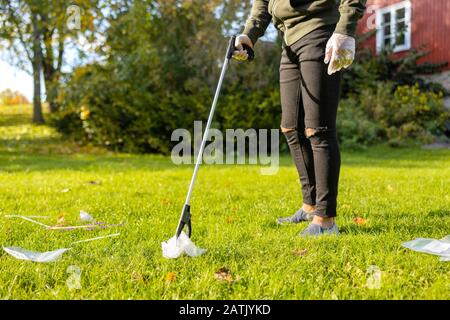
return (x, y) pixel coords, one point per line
(340, 52)
(240, 54)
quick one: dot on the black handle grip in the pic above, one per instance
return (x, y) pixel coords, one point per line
(231, 48)
(250, 52)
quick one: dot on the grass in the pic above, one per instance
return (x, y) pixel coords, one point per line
(402, 193)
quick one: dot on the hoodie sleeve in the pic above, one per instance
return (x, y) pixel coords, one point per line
(351, 11)
(259, 20)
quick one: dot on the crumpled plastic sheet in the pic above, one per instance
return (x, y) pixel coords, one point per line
(174, 248)
(49, 256)
(431, 246)
(84, 216)
(24, 254)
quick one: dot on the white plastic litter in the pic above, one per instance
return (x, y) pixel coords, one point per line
(49, 256)
(431, 246)
(84, 216)
(98, 238)
(174, 248)
(24, 254)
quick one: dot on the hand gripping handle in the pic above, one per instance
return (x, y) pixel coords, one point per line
(232, 48)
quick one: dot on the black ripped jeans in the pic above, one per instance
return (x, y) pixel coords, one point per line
(309, 100)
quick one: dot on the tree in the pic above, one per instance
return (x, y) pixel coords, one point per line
(35, 34)
(23, 39)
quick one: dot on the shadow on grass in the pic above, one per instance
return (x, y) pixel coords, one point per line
(17, 163)
(384, 156)
(49, 158)
(22, 143)
(53, 153)
(10, 120)
(402, 222)
(354, 230)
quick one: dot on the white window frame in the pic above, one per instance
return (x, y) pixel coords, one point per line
(392, 9)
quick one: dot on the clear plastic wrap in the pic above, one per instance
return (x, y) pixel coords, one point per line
(24, 254)
(431, 246)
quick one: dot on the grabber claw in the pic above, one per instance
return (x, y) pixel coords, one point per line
(185, 220)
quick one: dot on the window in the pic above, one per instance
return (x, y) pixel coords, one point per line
(394, 27)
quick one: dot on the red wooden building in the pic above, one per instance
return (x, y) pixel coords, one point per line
(406, 24)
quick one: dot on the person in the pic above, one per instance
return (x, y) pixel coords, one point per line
(318, 42)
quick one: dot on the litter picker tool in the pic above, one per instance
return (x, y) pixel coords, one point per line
(185, 218)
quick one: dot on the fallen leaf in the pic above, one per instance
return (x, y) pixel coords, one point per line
(360, 221)
(170, 277)
(300, 252)
(61, 220)
(229, 220)
(165, 201)
(136, 277)
(93, 182)
(224, 274)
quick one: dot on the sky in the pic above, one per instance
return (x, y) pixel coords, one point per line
(15, 79)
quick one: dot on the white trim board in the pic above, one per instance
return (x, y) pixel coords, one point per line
(392, 9)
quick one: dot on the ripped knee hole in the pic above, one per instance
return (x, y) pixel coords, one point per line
(286, 130)
(311, 132)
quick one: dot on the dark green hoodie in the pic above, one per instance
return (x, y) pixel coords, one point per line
(296, 18)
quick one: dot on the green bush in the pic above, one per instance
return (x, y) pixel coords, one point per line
(399, 115)
(355, 129)
(413, 116)
(149, 85)
(123, 115)
(386, 100)
(368, 69)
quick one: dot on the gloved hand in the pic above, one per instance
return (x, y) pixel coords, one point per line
(240, 54)
(340, 52)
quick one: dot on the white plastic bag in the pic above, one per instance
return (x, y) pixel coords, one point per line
(174, 248)
(431, 246)
(49, 256)
(339, 52)
(24, 254)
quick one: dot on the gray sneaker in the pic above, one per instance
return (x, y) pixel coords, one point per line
(299, 216)
(314, 230)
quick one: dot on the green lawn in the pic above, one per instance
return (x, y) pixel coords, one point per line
(403, 194)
